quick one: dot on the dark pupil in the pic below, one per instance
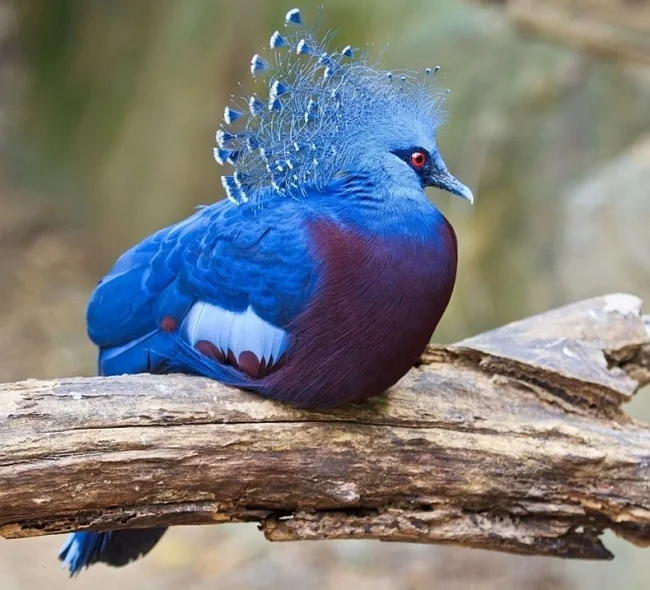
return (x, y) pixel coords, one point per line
(418, 158)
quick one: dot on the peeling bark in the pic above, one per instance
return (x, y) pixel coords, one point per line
(514, 440)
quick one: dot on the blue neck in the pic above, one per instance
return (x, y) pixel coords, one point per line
(370, 208)
(377, 210)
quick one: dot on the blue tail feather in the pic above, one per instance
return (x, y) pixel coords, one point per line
(116, 548)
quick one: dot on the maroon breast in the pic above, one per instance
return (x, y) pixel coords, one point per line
(378, 303)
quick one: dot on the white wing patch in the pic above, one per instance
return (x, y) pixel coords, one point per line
(235, 331)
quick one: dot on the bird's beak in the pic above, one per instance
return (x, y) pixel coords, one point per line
(451, 184)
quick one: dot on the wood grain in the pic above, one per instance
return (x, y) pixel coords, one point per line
(514, 440)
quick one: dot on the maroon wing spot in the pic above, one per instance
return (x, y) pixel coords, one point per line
(249, 363)
(168, 324)
(231, 360)
(208, 349)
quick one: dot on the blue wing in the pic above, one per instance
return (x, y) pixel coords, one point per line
(227, 280)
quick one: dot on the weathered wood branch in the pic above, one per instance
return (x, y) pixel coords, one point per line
(514, 440)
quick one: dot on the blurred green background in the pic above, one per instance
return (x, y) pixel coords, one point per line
(107, 116)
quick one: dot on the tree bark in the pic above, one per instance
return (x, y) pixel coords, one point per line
(513, 440)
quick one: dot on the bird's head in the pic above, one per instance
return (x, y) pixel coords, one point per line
(403, 150)
(330, 113)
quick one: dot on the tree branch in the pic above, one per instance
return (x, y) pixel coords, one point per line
(513, 440)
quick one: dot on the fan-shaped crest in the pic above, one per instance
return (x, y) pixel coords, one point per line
(319, 106)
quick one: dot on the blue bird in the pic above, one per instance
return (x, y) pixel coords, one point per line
(321, 278)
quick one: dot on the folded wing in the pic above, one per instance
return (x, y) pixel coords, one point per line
(215, 292)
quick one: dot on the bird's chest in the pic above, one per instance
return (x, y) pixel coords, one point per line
(374, 291)
(377, 302)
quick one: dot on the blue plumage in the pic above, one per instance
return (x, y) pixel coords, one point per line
(321, 278)
(115, 547)
(323, 109)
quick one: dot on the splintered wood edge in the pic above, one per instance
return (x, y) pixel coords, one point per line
(595, 353)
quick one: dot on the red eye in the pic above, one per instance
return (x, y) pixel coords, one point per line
(418, 159)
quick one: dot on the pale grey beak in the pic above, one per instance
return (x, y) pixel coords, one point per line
(451, 184)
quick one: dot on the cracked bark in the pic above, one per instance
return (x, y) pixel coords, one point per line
(514, 440)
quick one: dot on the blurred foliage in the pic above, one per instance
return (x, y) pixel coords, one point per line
(114, 140)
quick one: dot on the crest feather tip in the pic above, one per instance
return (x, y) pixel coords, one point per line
(277, 40)
(231, 115)
(255, 105)
(293, 17)
(259, 65)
